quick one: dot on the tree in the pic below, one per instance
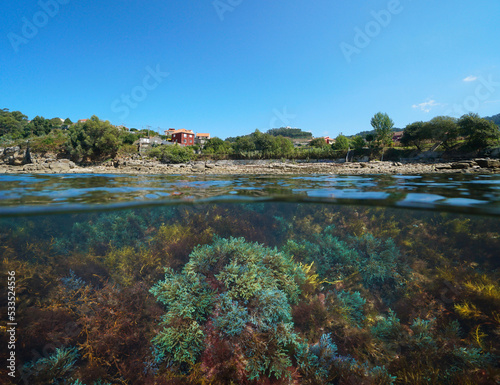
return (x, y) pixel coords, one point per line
(56, 122)
(38, 126)
(128, 137)
(19, 116)
(94, 139)
(282, 147)
(67, 122)
(416, 133)
(10, 126)
(383, 128)
(444, 130)
(358, 142)
(244, 144)
(263, 142)
(216, 145)
(287, 132)
(318, 143)
(341, 143)
(478, 131)
(12, 123)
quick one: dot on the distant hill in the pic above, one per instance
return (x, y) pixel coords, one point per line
(495, 119)
(288, 132)
(364, 133)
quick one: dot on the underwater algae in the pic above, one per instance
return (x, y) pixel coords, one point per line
(254, 293)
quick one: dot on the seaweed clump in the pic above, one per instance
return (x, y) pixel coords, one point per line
(231, 295)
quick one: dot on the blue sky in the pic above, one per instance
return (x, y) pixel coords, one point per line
(228, 67)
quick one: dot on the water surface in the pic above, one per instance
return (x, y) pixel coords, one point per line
(251, 280)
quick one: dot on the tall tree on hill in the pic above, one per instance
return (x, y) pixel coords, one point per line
(38, 126)
(382, 125)
(12, 123)
(56, 122)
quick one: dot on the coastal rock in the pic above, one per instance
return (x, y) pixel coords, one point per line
(488, 163)
(11, 150)
(59, 167)
(460, 165)
(30, 167)
(198, 167)
(15, 160)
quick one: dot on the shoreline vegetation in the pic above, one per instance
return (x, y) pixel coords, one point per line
(443, 144)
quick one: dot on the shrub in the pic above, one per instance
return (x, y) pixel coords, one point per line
(172, 154)
(93, 140)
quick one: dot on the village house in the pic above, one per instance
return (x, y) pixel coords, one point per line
(201, 139)
(183, 137)
(396, 137)
(169, 132)
(145, 144)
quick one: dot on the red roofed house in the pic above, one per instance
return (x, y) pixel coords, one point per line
(183, 137)
(82, 120)
(201, 139)
(329, 140)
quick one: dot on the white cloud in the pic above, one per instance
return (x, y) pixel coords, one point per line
(470, 78)
(492, 101)
(427, 106)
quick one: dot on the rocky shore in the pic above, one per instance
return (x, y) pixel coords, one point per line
(256, 167)
(14, 160)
